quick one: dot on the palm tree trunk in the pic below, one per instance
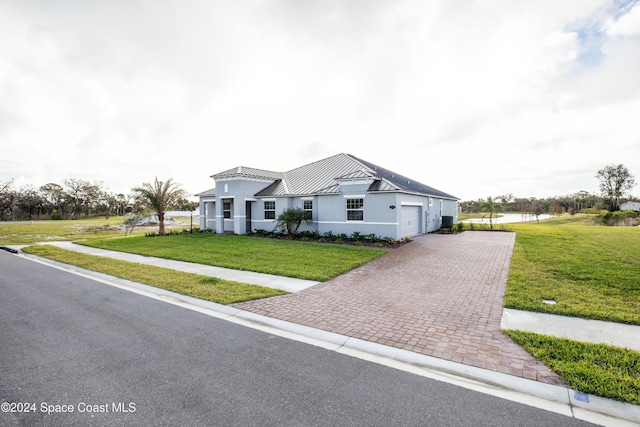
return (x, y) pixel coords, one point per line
(161, 223)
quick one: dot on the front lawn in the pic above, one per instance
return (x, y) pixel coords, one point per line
(194, 285)
(591, 272)
(588, 271)
(596, 369)
(302, 260)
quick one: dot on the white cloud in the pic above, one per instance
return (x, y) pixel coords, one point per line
(496, 91)
(627, 24)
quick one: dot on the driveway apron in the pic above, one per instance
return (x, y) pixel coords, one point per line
(441, 295)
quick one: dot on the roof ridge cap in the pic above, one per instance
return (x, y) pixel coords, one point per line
(317, 161)
(362, 165)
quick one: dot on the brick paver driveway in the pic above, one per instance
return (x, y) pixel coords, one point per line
(440, 295)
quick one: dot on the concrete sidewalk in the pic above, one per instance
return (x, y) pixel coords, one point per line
(574, 328)
(269, 280)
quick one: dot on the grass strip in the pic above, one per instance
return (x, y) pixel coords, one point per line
(301, 260)
(194, 285)
(597, 369)
(591, 272)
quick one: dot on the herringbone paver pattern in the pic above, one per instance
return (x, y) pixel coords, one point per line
(440, 295)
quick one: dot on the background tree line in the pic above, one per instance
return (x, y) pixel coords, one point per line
(615, 183)
(74, 199)
(79, 198)
(581, 201)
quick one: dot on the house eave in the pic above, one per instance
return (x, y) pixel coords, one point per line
(244, 178)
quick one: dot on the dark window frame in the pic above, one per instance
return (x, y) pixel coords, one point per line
(269, 207)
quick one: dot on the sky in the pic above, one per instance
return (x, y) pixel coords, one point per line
(474, 98)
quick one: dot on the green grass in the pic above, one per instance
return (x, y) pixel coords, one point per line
(596, 369)
(280, 257)
(25, 232)
(589, 271)
(194, 285)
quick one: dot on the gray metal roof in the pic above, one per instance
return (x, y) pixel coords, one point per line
(243, 171)
(311, 178)
(402, 183)
(208, 193)
(321, 177)
(359, 174)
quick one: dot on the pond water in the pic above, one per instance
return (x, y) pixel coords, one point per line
(507, 218)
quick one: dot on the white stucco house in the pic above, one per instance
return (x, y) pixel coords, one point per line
(342, 193)
(630, 206)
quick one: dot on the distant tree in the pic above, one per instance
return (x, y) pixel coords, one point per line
(121, 204)
(7, 196)
(555, 208)
(106, 203)
(74, 193)
(615, 181)
(504, 201)
(82, 196)
(29, 202)
(161, 196)
(53, 196)
(186, 205)
(538, 208)
(291, 219)
(491, 206)
(580, 200)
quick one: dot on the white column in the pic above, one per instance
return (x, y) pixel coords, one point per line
(203, 216)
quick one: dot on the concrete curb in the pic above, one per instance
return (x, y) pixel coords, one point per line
(558, 399)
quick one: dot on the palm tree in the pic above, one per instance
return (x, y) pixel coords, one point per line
(491, 206)
(160, 196)
(291, 219)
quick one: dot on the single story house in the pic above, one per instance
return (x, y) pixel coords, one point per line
(630, 206)
(342, 193)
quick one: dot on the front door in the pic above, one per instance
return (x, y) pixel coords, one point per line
(248, 217)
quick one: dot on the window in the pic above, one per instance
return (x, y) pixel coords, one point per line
(270, 210)
(355, 209)
(307, 207)
(226, 209)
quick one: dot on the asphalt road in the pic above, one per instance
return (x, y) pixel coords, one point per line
(92, 354)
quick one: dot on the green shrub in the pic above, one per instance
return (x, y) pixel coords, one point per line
(373, 238)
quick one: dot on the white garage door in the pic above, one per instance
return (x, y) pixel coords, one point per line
(410, 221)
